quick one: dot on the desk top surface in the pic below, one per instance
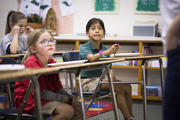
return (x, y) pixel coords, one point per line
(22, 55)
(134, 57)
(6, 75)
(27, 72)
(12, 56)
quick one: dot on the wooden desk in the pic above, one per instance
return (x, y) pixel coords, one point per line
(142, 62)
(12, 56)
(32, 74)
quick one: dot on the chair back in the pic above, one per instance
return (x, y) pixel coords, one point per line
(71, 56)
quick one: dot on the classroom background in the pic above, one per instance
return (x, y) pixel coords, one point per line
(119, 23)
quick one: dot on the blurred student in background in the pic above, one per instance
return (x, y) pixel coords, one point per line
(170, 11)
(15, 41)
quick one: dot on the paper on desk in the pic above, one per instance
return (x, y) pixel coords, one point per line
(68, 63)
(11, 67)
(124, 55)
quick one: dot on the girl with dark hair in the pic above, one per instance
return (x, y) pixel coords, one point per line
(14, 40)
(93, 50)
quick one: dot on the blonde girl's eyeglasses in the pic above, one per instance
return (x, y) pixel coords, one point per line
(45, 43)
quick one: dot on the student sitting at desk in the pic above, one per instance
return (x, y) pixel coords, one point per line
(54, 99)
(93, 50)
(14, 40)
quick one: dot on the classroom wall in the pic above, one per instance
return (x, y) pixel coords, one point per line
(116, 24)
(120, 23)
(5, 6)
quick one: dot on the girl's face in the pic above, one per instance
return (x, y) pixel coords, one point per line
(95, 32)
(22, 25)
(45, 45)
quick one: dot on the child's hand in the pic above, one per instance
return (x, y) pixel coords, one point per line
(15, 30)
(114, 48)
(76, 104)
(77, 109)
(28, 29)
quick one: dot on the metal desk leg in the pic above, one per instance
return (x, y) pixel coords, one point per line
(37, 97)
(80, 93)
(161, 75)
(112, 93)
(66, 80)
(97, 89)
(23, 105)
(144, 90)
(71, 82)
(8, 88)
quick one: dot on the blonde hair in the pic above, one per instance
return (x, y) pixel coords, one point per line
(13, 17)
(32, 40)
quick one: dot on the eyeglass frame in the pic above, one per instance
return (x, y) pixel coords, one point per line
(22, 26)
(45, 42)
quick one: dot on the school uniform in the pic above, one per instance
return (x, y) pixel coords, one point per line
(7, 40)
(46, 82)
(90, 78)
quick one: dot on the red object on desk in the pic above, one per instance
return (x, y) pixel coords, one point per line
(116, 45)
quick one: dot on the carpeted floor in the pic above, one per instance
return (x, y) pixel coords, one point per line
(98, 108)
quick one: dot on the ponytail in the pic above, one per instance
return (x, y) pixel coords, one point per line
(8, 28)
(13, 17)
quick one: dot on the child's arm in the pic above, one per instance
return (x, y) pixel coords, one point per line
(14, 45)
(173, 34)
(28, 30)
(50, 95)
(113, 49)
(64, 92)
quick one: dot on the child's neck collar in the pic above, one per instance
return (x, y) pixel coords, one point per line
(97, 44)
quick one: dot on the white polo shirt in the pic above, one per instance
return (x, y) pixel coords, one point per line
(169, 10)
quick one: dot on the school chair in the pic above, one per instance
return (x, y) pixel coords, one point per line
(12, 113)
(7, 61)
(12, 59)
(72, 56)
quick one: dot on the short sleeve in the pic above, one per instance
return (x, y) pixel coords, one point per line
(85, 51)
(32, 64)
(24, 42)
(174, 6)
(4, 44)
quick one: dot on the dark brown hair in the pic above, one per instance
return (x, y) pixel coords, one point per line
(93, 21)
(13, 17)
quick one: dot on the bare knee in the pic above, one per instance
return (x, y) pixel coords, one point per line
(123, 88)
(64, 111)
